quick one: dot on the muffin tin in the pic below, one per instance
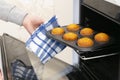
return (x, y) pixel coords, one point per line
(73, 44)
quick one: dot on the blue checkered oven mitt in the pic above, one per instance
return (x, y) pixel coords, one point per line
(22, 72)
(44, 47)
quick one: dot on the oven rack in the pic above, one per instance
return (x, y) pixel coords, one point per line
(95, 57)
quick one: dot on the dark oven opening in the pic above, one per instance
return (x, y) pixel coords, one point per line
(98, 21)
(107, 67)
(92, 18)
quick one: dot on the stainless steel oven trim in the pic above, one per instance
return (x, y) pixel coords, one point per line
(96, 57)
(76, 11)
(76, 19)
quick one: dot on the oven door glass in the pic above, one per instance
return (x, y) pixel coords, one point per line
(54, 70)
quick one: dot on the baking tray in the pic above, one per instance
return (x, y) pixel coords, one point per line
(73, 44)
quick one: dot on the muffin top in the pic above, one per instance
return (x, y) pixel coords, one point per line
(101, 37)
(86, 32)
(73, 27)
(85, 42)
(57, 31)
(70, 36)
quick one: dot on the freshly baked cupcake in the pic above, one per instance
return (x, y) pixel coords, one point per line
(86, 32)
(85, 42)
(73, 27)
(101, 37)
(57, 31)
(70, 36)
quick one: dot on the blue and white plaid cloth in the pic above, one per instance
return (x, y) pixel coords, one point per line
(22, 72)
(44, 47)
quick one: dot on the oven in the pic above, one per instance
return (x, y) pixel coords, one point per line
(101, 64)
(104, 63)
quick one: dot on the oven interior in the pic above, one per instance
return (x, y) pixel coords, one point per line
(104, 63)
(98, 22)
(107, 67)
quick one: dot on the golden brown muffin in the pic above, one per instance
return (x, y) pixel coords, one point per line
(73, 27)
(101, 37)
(86, 32)
(57, 31)
(85, 42)
(70, 36)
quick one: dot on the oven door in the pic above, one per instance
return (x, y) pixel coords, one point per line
(81, 73)
(54, 70)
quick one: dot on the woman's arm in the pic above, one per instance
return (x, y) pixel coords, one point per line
(11, 13)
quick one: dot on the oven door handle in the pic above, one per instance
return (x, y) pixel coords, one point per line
(95, 57)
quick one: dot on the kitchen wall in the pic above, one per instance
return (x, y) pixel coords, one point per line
(45, 9)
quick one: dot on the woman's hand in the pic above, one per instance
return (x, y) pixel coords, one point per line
(31, 22)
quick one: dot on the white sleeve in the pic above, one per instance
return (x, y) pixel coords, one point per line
(11, 13)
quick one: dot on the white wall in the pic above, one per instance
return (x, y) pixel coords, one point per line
(45, 9)
(64, 12)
